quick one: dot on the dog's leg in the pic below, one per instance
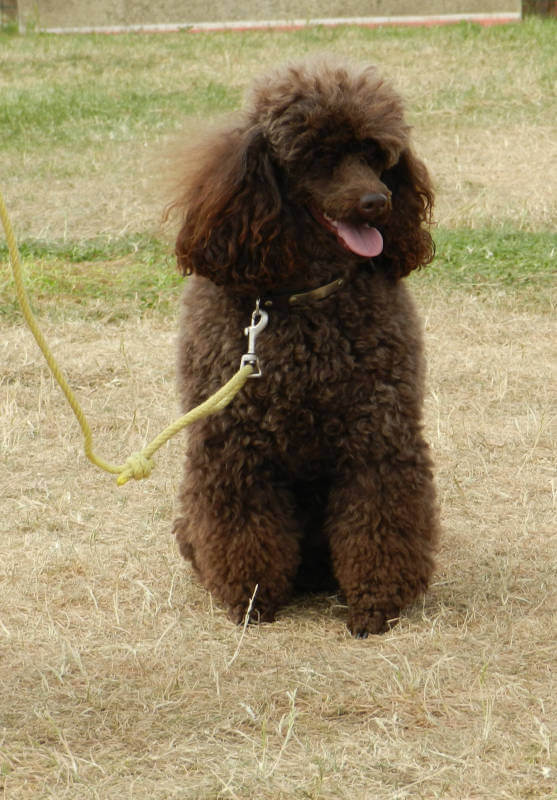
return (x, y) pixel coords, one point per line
(239, 534)
(382, 527)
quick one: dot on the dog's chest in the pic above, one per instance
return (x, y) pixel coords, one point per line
(311, 351)
(312, 368)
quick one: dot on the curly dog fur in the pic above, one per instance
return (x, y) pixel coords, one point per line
(317, 475)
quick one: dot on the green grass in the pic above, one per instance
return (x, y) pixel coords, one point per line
(115, 278)
(100, 278)
(75, 89)
(89, 112)
(517, 265)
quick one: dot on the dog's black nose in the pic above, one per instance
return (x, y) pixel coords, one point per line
(374, 202)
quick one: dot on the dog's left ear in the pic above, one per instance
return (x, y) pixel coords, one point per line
(408, 243)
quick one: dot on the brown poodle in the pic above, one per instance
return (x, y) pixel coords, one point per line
(312, 204)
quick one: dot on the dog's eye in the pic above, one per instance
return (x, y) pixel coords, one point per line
(373, 154)
(324, 156)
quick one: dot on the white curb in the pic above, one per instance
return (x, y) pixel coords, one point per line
(294, 24)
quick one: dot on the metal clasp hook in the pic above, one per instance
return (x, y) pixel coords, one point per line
(259, 320)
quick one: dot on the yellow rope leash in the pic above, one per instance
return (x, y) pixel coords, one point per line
(139, 465)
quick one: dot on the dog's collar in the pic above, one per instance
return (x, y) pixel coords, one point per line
(283, 301)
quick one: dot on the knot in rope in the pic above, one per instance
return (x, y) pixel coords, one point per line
(137, 466)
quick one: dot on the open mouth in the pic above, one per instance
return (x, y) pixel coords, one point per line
(362, 239)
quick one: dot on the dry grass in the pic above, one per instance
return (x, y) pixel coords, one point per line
(120, 679)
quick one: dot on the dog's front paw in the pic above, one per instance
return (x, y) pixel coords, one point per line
(256, 612)
(374, 621)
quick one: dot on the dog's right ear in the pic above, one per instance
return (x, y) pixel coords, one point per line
(231, 205)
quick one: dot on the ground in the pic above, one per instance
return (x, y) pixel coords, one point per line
(118, 675)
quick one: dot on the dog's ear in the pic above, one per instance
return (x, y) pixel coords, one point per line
(232, 206)
(408, 243)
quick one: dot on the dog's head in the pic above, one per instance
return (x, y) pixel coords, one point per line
(320, 148)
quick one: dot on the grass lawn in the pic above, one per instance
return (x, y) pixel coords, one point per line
(118, 675)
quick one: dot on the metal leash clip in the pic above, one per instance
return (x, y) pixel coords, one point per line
(259, 320)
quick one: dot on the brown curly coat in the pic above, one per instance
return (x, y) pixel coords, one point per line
(317, 475)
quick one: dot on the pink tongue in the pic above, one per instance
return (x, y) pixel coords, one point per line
(361, 240)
